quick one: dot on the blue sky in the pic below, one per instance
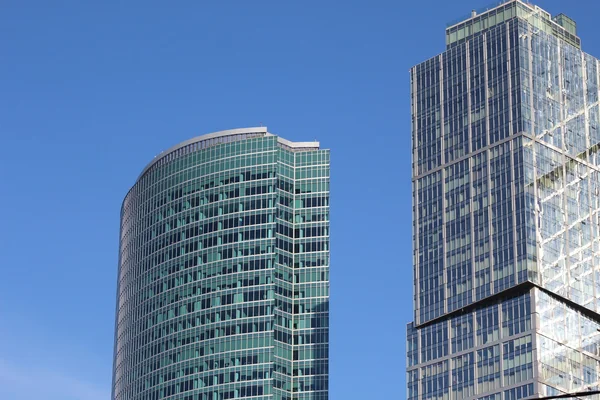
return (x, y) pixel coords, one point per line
(90, 91)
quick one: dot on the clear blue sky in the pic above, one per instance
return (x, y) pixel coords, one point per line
(90, 91)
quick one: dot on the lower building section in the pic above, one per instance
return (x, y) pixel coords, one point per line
(524, 344)
(567, 347)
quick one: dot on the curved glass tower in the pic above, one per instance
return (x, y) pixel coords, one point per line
(223, 285)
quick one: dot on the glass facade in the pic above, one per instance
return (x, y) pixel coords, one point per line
(223, 284)
(506, 216)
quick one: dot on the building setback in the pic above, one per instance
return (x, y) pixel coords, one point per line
(223, 285)
(506, 186)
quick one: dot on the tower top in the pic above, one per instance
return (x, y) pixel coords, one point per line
(560, 26)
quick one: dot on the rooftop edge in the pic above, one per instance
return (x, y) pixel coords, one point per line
(228, 132)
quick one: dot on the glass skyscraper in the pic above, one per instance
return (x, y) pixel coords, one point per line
(506, 208)
(223, 284)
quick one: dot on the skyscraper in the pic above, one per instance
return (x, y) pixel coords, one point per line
(506, 181)
(223, 284)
